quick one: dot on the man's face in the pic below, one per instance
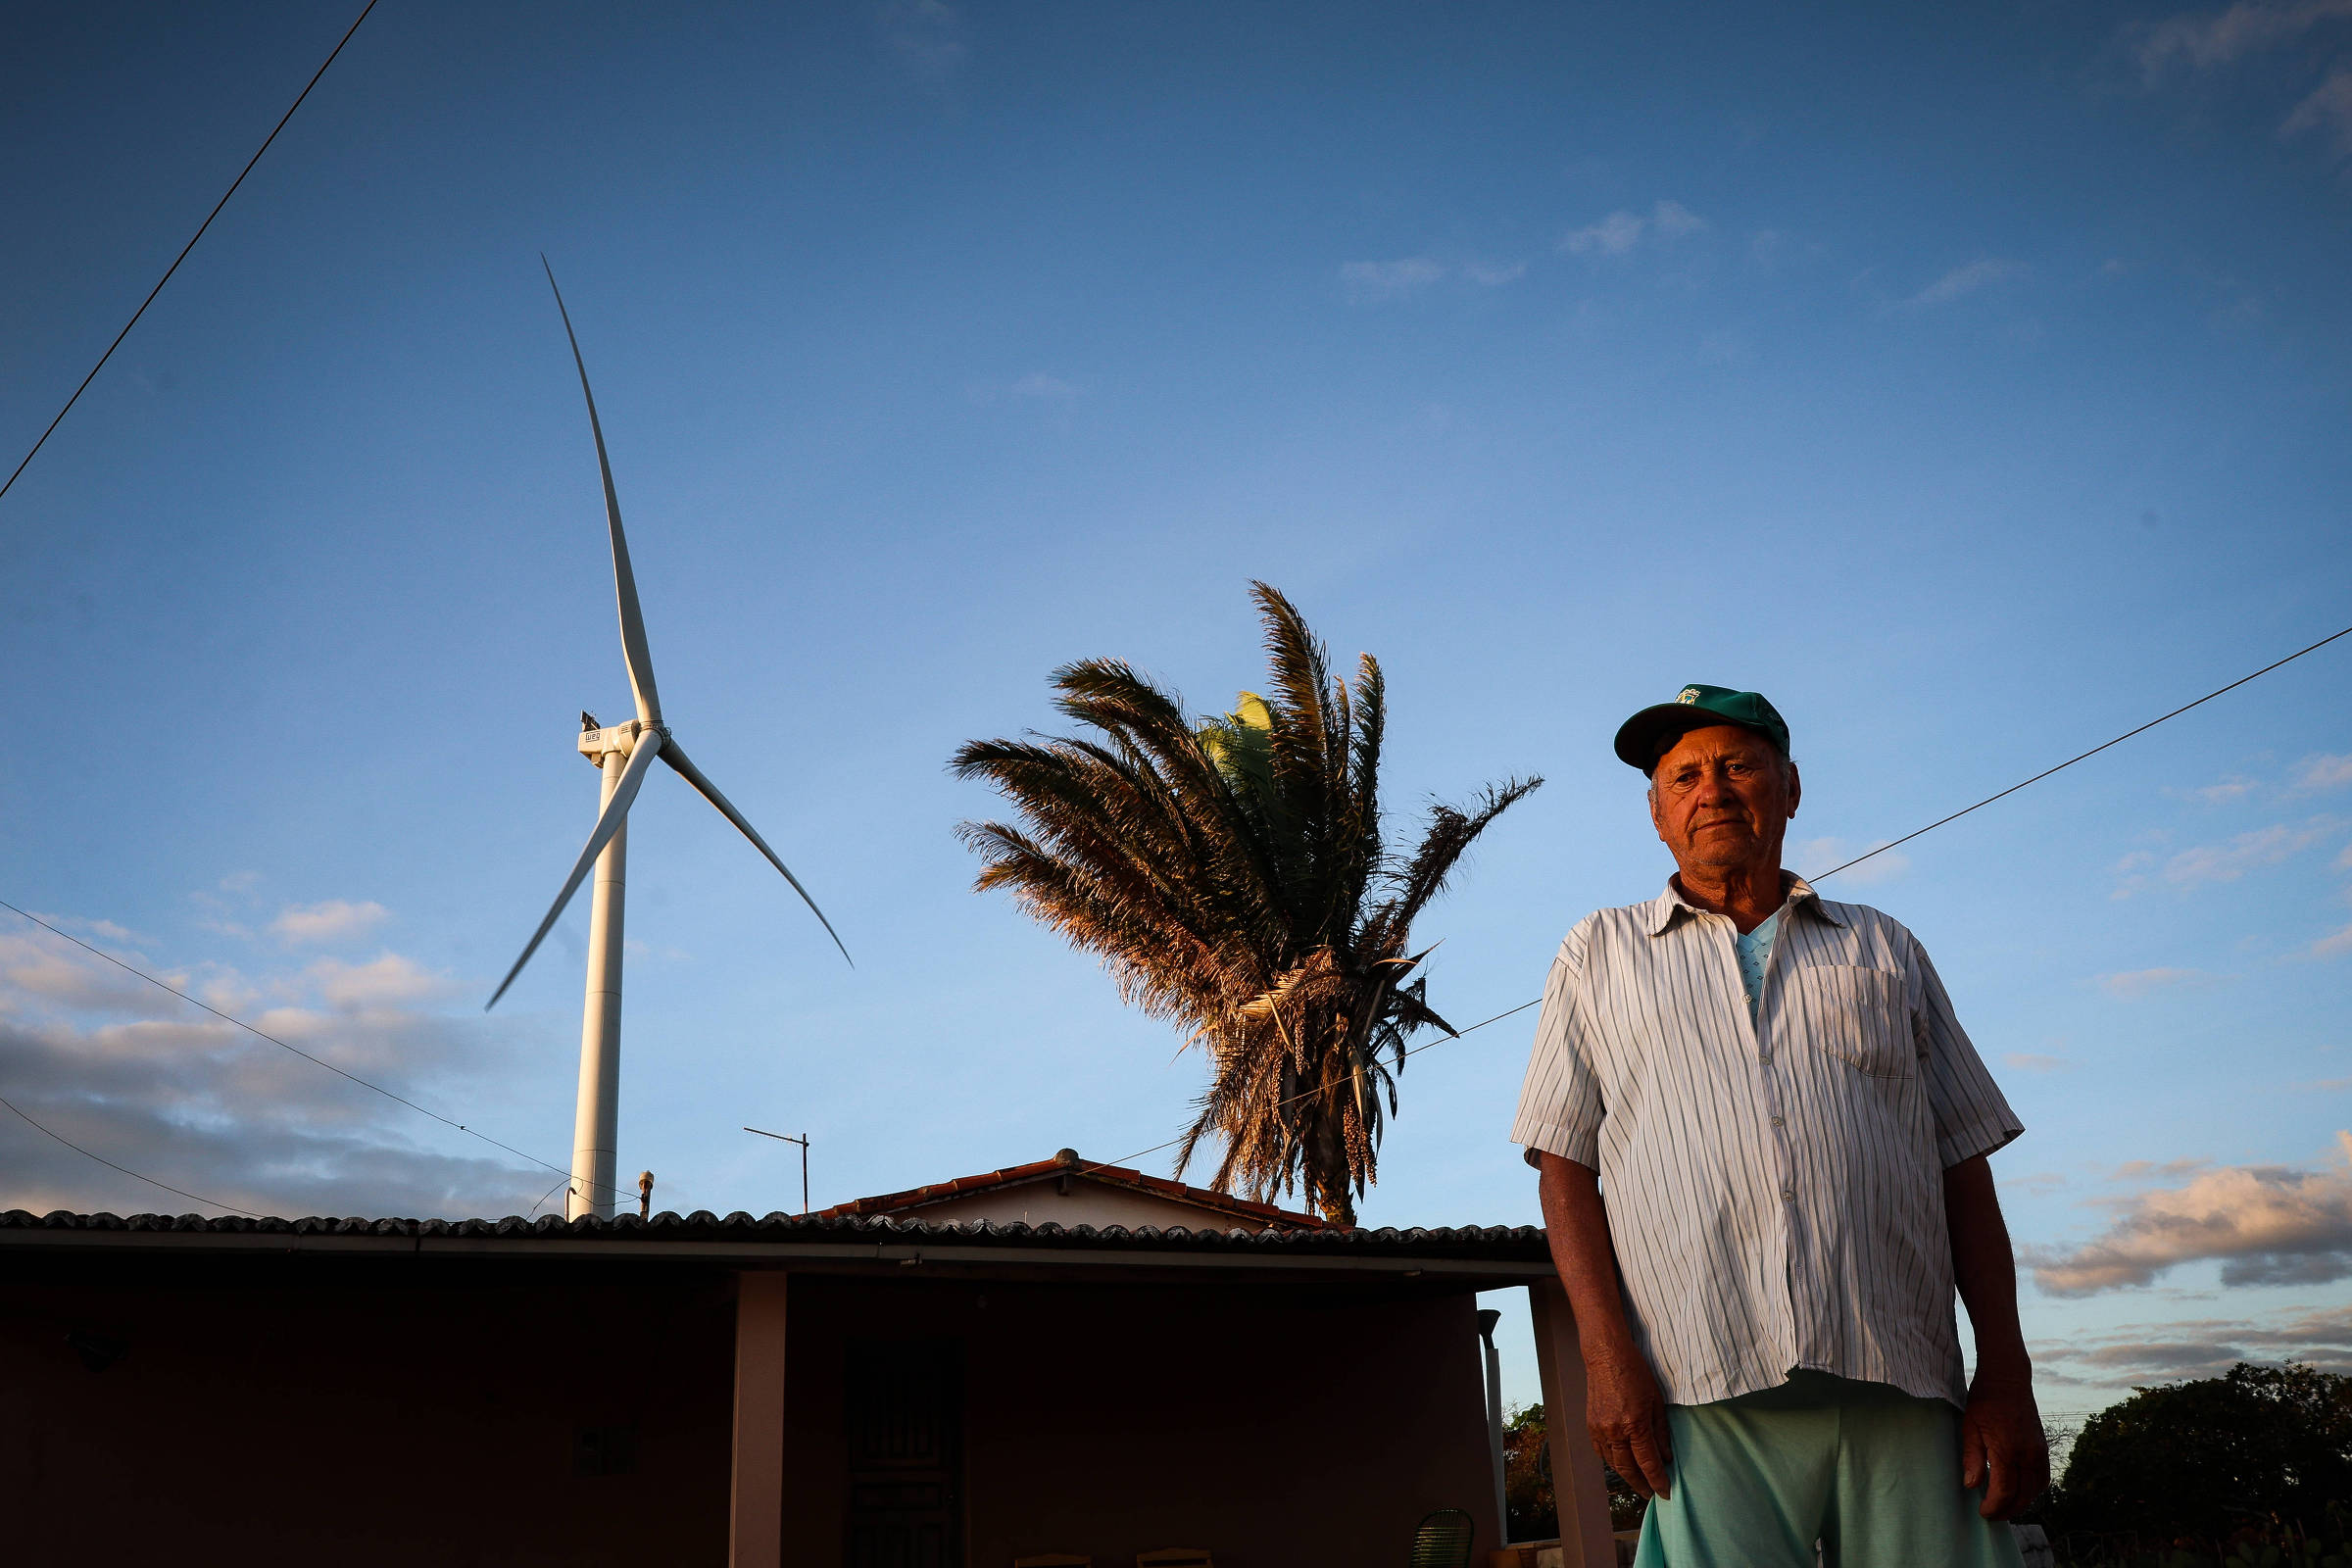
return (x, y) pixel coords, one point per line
(1722, 798)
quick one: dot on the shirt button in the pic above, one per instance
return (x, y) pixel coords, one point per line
(1788, 1193)
(1764, 1057)
(1779, 1122)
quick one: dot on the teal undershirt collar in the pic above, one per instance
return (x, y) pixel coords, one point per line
(1755, 951)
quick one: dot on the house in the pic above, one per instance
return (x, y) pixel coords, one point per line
(1070, 1192)
(923, 1380)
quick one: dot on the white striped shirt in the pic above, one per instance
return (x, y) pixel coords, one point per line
(1774, 1184)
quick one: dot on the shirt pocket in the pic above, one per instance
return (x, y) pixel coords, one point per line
(1859, 1016)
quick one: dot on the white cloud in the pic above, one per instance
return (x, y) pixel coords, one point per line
(2204, 42)
(1369, 282)
(1038, 384)
(1493, 274)
(2233, 788)
(139, 1076)
(1672, 219)
(925, 37)
(2334, 945)
(2316, 775)
(2330, 106)
(334, 921)
(385, 981)
(2028, 1061)
(1613, 235)
(104, 930)
(2248, 852)
(40, 968)
(2140, 1170)
(2264, 1224)
(2142, 1353)
(1620, 231)
(2136, 983)
(1967, 279)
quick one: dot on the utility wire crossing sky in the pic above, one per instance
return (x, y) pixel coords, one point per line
(1970, 383)
(1124, 1159)
(85, 385)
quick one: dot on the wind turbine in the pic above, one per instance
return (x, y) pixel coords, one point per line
(624, 753)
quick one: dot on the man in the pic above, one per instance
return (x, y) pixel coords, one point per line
(1762, 1139)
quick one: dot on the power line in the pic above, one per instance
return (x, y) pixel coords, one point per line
(280, 1044)
(543, 1197)
(189, 246)
(1139, 1153)
(198, 1197)
(1835, 869)
(2093, 752)
(1306, 1094)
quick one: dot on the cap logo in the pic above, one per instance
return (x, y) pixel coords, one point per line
(1689, 694)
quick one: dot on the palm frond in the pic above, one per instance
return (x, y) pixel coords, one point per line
(1224, 872)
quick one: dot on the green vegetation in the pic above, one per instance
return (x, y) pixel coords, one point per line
(1231, 875)
(1527, 1494)
(2253, 1467)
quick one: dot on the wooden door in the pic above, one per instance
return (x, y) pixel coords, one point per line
(905, 1420)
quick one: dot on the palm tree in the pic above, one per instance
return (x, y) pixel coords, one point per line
(1231, 875)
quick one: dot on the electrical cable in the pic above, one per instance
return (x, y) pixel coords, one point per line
(2093, 752)
(283, 1045)
(197, 1197)
(1835, 869)
(1139, 1153)
(544, 1196)
(189, 246)
(1311, 1092)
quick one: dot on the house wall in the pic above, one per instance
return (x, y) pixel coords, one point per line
(1273, 1425)
(407, 1410)
(390, 1412)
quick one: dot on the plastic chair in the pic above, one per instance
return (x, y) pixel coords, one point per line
(1175, 1557)
(1443, 1539)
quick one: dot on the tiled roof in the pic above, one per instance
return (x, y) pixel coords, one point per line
(1500, 1243)
(1068, 1163)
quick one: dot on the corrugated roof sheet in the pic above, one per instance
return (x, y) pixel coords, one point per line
(1515, 1241)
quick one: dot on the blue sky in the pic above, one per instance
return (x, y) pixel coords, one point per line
(1974, 383)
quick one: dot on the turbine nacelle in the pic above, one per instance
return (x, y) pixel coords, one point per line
(596, 744)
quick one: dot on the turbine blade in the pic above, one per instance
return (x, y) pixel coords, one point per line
(624, 580)
(676, 757)
(616, 812)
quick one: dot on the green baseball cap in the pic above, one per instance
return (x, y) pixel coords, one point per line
(1644, 737)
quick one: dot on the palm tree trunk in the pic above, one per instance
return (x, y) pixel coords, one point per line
(1327, 1171)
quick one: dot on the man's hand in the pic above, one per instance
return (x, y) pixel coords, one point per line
(1626, 1415)
(2001, 1436)
(2001, 1443)
(1624, 1410)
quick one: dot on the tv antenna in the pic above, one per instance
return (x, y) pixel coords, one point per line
(803, 1140)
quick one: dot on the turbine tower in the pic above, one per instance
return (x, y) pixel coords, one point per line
(624, 753)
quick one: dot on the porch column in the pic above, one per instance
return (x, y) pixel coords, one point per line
(1577, 1481)
(755, 1504)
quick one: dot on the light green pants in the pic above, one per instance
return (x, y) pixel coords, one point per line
(1866, 1470)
